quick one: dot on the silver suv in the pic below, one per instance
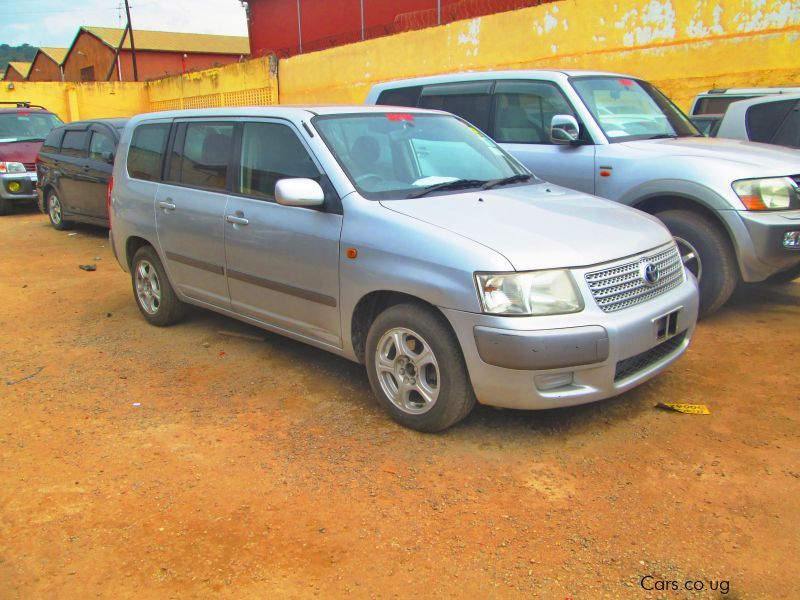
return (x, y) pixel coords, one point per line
(733, 207)
(408, 241)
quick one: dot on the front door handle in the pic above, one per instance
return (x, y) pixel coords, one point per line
(236, 220)
(167, 205)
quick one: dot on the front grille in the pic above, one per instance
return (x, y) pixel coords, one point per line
(30, 167)
(634, 364)
(622, 286)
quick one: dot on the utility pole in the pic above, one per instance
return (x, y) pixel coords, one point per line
(133, 46)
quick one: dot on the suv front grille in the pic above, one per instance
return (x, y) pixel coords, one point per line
(634, 364)
(30, 167)
(622, 286)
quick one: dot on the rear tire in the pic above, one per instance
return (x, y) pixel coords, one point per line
(706, 252)
(416, 368)
(152, 290)
(55, 211)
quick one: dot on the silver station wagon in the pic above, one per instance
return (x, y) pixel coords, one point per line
(408, 241)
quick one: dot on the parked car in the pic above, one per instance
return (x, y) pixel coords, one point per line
(74, 168)
(23, 127)
(733, 207)
(769, 119)
(408, 241)
(709, 107)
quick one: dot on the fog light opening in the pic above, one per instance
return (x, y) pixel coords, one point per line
(553, 381)
(14, 186)
(791, 239)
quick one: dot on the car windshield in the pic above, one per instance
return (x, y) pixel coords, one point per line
(401, 155)
(630, 109)
(21, 126)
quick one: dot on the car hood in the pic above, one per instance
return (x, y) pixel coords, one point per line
(540, 226)
(24, 152)
(772, 160)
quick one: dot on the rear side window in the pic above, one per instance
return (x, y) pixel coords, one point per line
(75, 143)
(788, 134)
(201, 155)
(764, 120)
(716, 105)
(53, 141)
(271, 152)
(525, 109)
(101, 145)
(147, 151)
(470, 101)
(407, 96)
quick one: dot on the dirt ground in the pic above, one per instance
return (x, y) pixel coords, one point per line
(185, 463)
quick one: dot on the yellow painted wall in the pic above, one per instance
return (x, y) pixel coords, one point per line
(683, 46)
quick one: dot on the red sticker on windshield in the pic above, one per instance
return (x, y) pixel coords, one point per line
(626, 81)
(23, 114)
(399, 117)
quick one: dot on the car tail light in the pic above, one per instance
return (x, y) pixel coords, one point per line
(108, 199)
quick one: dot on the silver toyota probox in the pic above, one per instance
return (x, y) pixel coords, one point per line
(406, 240)
(733, 207)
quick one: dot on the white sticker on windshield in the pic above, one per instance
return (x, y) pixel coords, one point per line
(616, 133)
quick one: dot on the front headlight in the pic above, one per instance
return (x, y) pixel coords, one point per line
(12, 167)
(532, 293)
(775, 193)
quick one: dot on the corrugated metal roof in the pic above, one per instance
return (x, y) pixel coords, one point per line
(167, 41)
(21, 67)
(57, 54)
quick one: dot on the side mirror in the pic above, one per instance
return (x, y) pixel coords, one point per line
(108, 157)
(564, 130)
(299, 192)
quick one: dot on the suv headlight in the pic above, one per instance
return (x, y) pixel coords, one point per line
(12, 167)
(775, 193)
(531, 293)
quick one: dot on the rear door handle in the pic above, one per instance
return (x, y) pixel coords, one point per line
(167, 205)
(236, 220)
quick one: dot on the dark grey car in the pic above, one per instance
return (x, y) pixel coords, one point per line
(74, 167)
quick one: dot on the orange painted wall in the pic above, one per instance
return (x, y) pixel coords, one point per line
(88, 51)
(44, 68)
(155, 65)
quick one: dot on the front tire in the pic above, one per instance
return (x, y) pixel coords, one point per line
(706, 252)
(152, 291)
(416, 369)
(56, 211)
(5, 206)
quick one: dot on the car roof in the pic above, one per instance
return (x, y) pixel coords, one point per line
(117, 123)
(549, 74)
(751, 91)
(282, 111)
(745, 104)
(26, 110)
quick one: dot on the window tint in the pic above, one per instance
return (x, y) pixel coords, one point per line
(789, 133)
(716, 105)
(525, 109)
(400, 97)
(147, 151)
(201, 155)
(74, 143)
(470, 101)
(271, 152)
(53, 141)
(101, 144)
(763, 120)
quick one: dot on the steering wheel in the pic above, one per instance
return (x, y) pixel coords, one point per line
(363, 179)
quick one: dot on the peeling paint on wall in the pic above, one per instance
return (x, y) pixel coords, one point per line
(776, 18)
(471, 38)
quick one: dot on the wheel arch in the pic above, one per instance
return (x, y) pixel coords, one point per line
(370, 305)
(132, 245)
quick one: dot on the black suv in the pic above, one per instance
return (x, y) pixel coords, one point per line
(74, 167)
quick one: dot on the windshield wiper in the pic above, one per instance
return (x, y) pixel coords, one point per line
(506, 180)
(447, 185)
(662, 136)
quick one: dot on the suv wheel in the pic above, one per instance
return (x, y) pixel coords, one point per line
(705, 252)
(56, 212)
(154, 295)
(416, 368)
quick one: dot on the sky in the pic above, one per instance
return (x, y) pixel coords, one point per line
(54, 23)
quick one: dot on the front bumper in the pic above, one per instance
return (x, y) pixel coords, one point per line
(589, 356)
(26, 183)
(759, 237)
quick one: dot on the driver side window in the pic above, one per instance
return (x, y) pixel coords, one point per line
(525, 109)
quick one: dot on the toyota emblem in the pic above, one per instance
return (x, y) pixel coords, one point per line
(649, 273)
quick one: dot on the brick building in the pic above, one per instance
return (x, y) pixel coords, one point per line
(158, 53)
